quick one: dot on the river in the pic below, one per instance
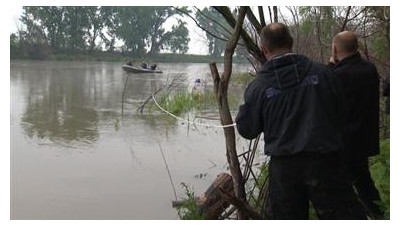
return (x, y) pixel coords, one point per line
(75, 156)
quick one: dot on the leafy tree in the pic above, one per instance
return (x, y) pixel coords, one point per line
(177, 39)
(213, 21)
(141, 28)
(76, 21)
(95, 24)
(85, 28)
(47, 19)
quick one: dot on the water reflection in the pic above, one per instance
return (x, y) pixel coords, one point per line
(66, 105)
(59, 110)
(65, 102)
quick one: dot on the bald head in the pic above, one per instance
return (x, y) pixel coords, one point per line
(346, 42)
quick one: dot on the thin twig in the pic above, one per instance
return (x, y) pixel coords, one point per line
(243, 206)
(261, 15)
(169, 173)
(123, 95)
(199, 26)
(168, 87)
(214, 21)
(141, 107)
(346, 19)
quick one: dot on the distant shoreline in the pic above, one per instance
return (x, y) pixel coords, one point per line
(126, 57)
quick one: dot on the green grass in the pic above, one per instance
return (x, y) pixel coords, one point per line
(183, 102)
(189, 209)
(380, 171)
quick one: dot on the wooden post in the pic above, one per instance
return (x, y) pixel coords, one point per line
(212, 204)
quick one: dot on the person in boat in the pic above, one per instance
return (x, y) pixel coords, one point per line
(144, 65)
(130, 63)
(153, 66)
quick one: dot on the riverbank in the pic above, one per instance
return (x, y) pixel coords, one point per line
(100, 56)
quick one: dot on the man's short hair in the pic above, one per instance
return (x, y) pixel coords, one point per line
(276, 36)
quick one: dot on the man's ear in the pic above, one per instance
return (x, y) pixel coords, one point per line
(334, 52)
(265, 50)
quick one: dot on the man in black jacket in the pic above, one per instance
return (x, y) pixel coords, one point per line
(297, 104)
(360, 82)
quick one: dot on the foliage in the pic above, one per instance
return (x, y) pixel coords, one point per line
(183, 102)
(189, 210)
(177, 40)
(89, 28)
(214, 22)
(380, 47)
(380, 171)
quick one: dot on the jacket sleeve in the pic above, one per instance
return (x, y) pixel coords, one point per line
(249, 118)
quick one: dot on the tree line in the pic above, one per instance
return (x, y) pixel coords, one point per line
(76, 29)
(141, 30)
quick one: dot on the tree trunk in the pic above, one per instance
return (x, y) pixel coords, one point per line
(221, 92)
(346, 19)
(212, 203)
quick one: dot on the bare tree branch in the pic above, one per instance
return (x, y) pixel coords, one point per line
(296, 23)
(261, 14)
(251, 46)
(214, 21)
(253, 20)
(270, 14)
(346, 19)
(240, 205)
(275, 9)
(199, 26)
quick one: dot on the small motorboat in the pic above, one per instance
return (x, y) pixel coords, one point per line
(135, 69)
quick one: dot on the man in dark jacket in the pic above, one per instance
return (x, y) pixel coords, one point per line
(360, 82)
(296, 103)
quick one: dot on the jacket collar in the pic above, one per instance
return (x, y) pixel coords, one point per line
(349, 59)
(281, 60)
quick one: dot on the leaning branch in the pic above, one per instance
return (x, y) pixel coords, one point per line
(221, 92)
(261, 14)
(214, 21)
(253, 20)
(251, 46)
(169, 87)
(199, 26)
